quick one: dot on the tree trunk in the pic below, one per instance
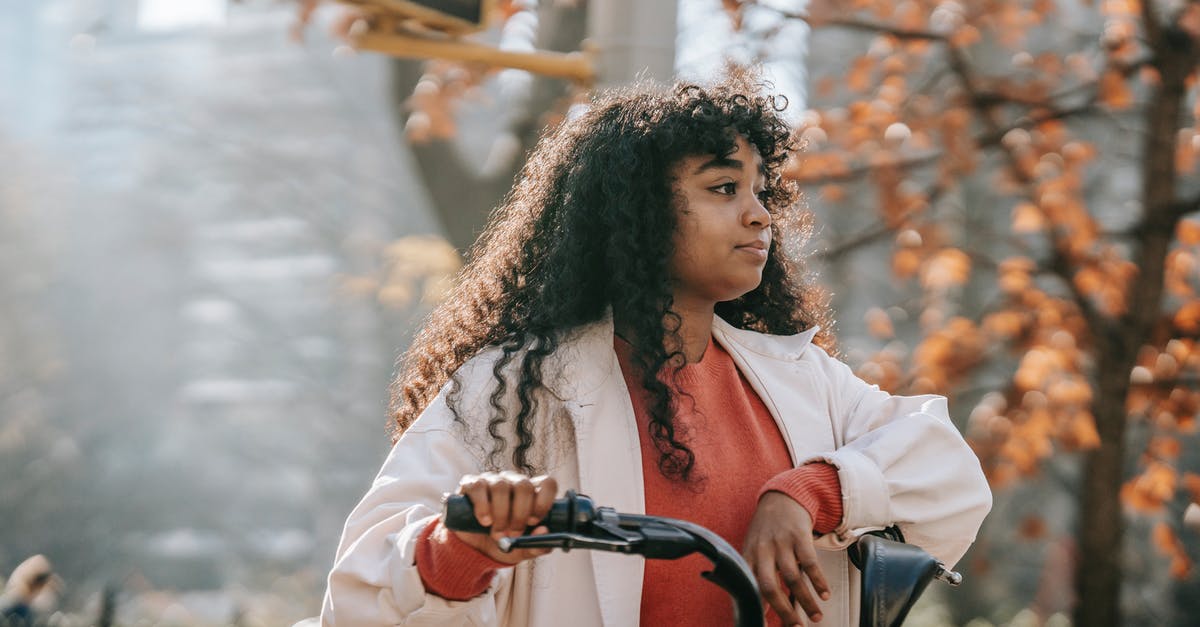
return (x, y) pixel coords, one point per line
(1098, 578)
(1098, 575)
(463, 197)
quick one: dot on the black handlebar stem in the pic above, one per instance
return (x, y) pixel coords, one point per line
(575, 522)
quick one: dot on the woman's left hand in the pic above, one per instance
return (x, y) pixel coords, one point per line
(779, 545)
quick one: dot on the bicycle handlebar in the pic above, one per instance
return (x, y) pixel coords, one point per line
(894, 573)
(566, 514)
(575, 522)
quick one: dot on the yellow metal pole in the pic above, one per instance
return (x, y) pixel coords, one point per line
(576, 66)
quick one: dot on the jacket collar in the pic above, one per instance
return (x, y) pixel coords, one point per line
(781, 347)
(582, 371)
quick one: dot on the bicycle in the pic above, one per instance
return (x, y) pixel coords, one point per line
(894, 574)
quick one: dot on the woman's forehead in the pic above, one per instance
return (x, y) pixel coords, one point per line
(743, 152)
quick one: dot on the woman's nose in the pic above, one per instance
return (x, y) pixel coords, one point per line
(755, 214)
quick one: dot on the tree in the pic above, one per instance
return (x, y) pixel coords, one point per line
(1023, 164)
(467, 173)
(1026, 161)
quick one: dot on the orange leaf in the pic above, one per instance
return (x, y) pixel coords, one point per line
(859, 76)
(1003, 324)
(1191, 482)
(1083, 434)
(1032, 528)
(825, 86)
(1163, 447)
(905, 262)
(1188, 231)
(1187, 318)
(1181, 566)
(1090, 281)
(1164, 538)
(948, 267)
(734, 9)
(1185, 155)
(1027, 218)
(1114, 92)
(1150, 491)
(966, 35)
(879, 324)
(833, 193)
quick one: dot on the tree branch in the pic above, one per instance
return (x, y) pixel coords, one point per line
(852, 24)
(856, 172)
(1150, 23)
(873, 234)
(1187, 206)
(882, 29)
(993, 138)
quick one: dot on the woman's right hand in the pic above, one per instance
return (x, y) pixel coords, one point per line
(509, 503)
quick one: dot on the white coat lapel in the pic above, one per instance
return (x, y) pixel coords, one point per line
(776, 386)
(610, 462)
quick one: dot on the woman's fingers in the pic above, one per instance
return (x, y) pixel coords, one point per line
(522, 492)
(525, 554)
(500, 498)
(509, 502)
(779, 547)
(475, 487)
(545, 490)
(768, 585)
(806, 557)
(797, 582)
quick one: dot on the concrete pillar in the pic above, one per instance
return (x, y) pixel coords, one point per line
(632, 39)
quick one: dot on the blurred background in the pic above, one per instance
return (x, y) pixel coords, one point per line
(221, 221)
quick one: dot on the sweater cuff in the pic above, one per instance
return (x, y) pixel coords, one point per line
(451, 568)
(815, 486)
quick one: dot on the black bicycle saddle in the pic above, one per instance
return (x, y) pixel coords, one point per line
(894, 575)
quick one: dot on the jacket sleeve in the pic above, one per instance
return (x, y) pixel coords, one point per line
(374, 580)
(901, 461)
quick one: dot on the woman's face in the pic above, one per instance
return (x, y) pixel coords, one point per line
(723, 232)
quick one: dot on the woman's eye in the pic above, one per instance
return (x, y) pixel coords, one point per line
(763, 196)
(728, 189)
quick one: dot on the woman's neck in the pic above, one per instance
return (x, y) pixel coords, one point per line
(695, 329)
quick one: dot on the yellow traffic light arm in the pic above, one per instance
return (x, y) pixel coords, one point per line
(576, 66)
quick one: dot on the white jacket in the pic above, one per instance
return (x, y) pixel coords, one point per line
(899, 459)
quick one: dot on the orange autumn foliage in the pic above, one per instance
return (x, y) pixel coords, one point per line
(1114, 91)
(1191, 483)
(1152, 489)
(983, 142)
(1169, 544)
(946, 268)
(1187, 318)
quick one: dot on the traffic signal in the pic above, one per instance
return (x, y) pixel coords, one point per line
(454, 17)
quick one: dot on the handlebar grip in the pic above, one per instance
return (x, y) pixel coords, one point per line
(566, 515)
(459, 515)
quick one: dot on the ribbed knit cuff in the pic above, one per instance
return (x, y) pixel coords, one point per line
(451, 568)
(815, 486)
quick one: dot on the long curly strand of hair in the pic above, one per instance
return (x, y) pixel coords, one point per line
(588, 227)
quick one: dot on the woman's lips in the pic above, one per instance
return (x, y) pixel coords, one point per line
(756, 249)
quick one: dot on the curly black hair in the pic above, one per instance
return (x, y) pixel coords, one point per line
(587, 227)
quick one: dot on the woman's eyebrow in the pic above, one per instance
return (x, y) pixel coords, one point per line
(724, 163)
(718, 163)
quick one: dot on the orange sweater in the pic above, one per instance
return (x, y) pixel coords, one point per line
(740, 454)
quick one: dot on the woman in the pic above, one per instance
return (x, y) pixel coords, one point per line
(630, 326)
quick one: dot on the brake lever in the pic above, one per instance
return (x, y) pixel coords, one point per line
(951, 577)
(566, 542)
(605, 521)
